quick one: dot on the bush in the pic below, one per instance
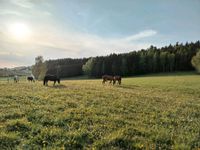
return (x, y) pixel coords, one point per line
(196, 61)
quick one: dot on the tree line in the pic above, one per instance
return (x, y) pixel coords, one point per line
(151, 60)
(66, 67)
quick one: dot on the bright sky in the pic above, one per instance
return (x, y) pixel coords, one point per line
(84, 28)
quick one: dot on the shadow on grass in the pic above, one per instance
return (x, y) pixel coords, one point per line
(167, 74)
(58, 86)
(126, 86)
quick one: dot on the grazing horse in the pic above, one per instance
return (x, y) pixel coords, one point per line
(51, 78)
(107, 78)
(16, 79)
(31, 78)
(117, 78)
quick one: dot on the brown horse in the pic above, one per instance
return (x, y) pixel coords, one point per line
(107, 78)
(51, 78)
(117, 78)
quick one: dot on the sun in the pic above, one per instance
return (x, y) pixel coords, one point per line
(20, 31)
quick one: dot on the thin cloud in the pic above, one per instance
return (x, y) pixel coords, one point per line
(23, 13)
(23, 3)
(86, 45)
(141, 35)
(56, 40)
(10, 12)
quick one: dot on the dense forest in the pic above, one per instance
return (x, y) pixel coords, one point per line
(152, 60)
(66, 67)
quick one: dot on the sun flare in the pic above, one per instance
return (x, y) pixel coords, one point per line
(20, 31)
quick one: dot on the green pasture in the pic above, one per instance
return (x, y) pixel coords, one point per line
(149, 112)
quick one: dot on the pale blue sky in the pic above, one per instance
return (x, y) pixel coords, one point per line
(84, 28)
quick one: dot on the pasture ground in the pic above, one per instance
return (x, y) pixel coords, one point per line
(157, 112)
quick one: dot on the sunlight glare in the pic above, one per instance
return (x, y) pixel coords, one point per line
(20, 31)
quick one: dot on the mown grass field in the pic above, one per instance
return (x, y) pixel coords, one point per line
(157, 112)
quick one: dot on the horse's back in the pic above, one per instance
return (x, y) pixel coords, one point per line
(51, 77)
(29, 78)
(107, 77)
(104, 76)
(118, 77)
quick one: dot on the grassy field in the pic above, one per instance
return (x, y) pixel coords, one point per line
(156, 112)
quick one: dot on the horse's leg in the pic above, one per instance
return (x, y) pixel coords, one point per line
(103, 82)
(110, 81)
(54, 83)
(113, 81)
(119, 82)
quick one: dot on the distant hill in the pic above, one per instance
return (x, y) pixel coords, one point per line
(20, 71)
